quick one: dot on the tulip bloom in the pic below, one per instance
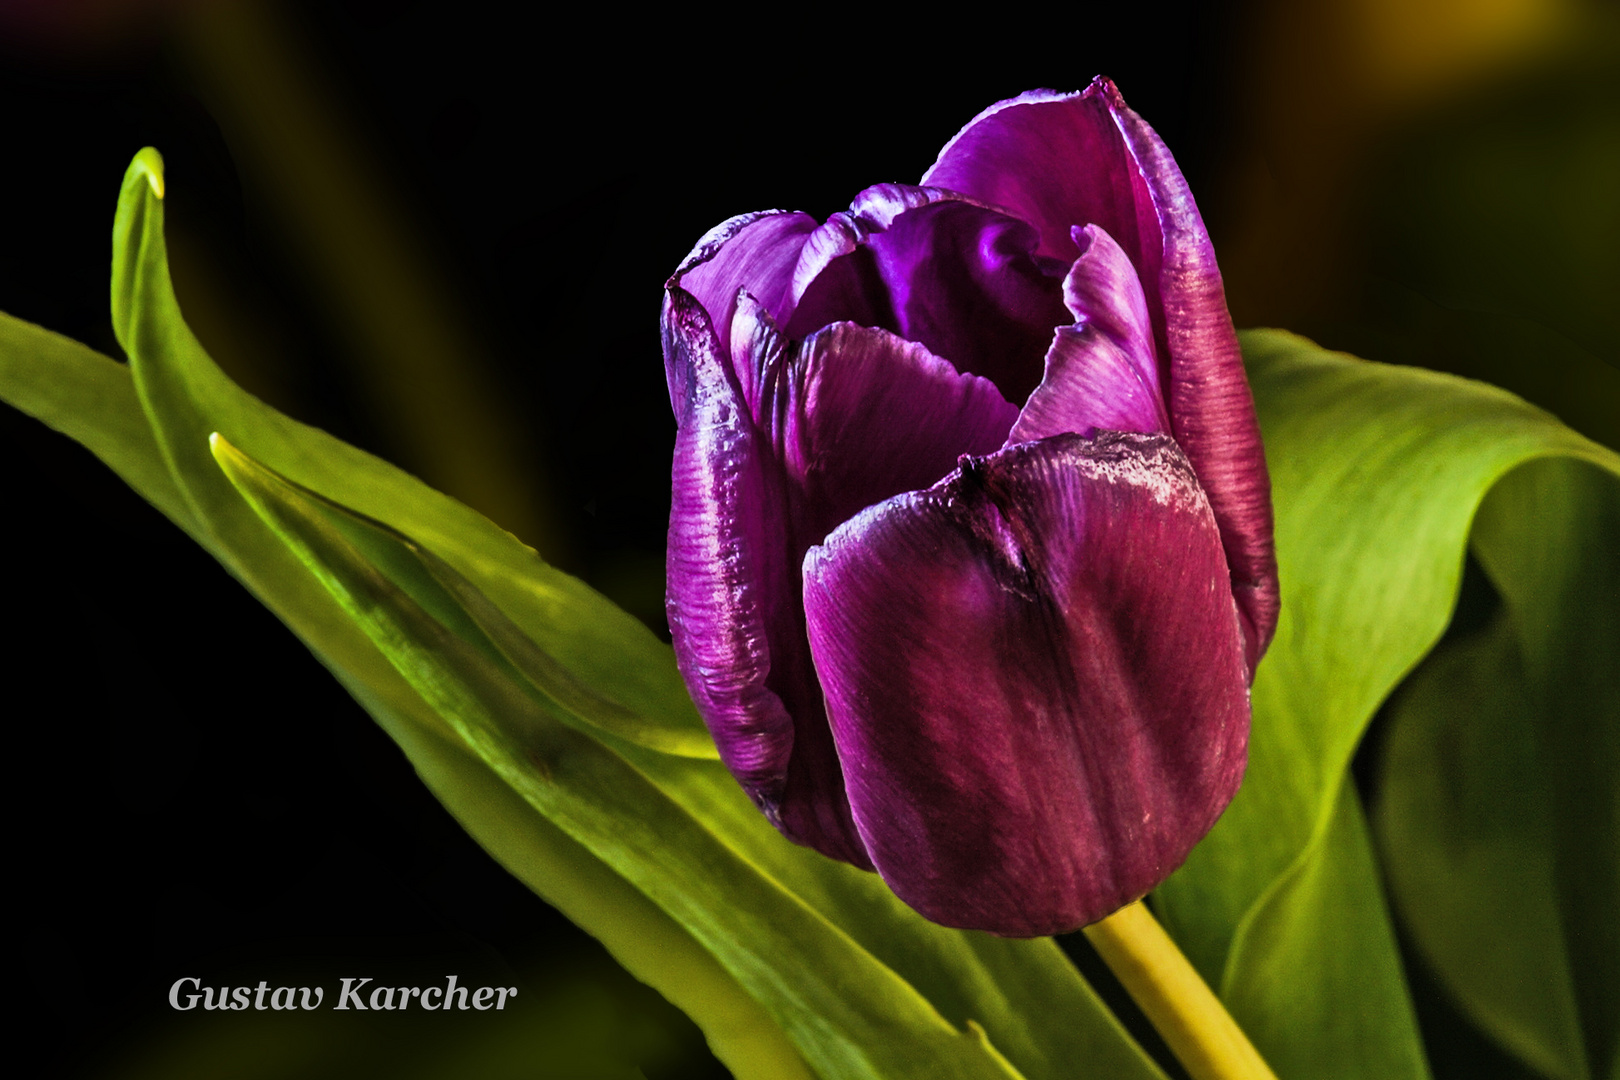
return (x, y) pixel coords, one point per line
(970, 555)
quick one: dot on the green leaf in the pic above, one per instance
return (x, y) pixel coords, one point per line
(649, 943)
(1327, 910)
(1500, 817)
(848, 1013)
(1377, 472)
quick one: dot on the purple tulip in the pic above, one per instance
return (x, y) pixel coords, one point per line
(1000, 654)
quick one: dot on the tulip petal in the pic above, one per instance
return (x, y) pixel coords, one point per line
(936, 268)
(1211, 408)
(732, 599)
(757, 251)
(1056, 161)
(861, 415)
(1102, 288)
(1061, 160)
(1100, 373)
(1035, 676)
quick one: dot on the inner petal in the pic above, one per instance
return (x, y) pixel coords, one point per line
(858, 414)
(1101, 373)
(956, 276)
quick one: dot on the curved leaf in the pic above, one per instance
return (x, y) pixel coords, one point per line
(1500, 816)
(1377, 472)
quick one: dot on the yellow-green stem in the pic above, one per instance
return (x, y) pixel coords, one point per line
(1194, 1023)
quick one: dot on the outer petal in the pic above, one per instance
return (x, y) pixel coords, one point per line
(1060, 160)
(1056, 161)
(936, 268)
(733, 599)
(722, 578)
(1035, 677)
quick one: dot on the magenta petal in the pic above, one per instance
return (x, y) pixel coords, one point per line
(1055, 161)
(1035, 676)
(1061, 160)
(733, 599)
(835, 290)
(855, 415)
(868, 415)
(964, 281)
(1103, 289)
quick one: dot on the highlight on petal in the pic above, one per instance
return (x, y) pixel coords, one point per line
(1035, 676)
(1064, 160)
(725, 574)
(755, 251)
(732, 598)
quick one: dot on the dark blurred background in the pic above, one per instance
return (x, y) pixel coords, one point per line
(440, 231)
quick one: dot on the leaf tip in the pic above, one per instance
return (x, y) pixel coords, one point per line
(149, 163)
(231, 461)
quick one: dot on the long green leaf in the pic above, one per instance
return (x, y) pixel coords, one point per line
(996, 984)
(1377, 472)
(848, 1013)
(92, 399)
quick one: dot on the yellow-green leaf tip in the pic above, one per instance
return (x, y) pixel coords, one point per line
(150, 162)
(223, 452)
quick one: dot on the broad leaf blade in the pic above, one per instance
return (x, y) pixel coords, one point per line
(1500, 818)
(1329, 910)
(1376, 474)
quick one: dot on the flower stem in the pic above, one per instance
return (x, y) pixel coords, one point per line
(1194, 1023)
